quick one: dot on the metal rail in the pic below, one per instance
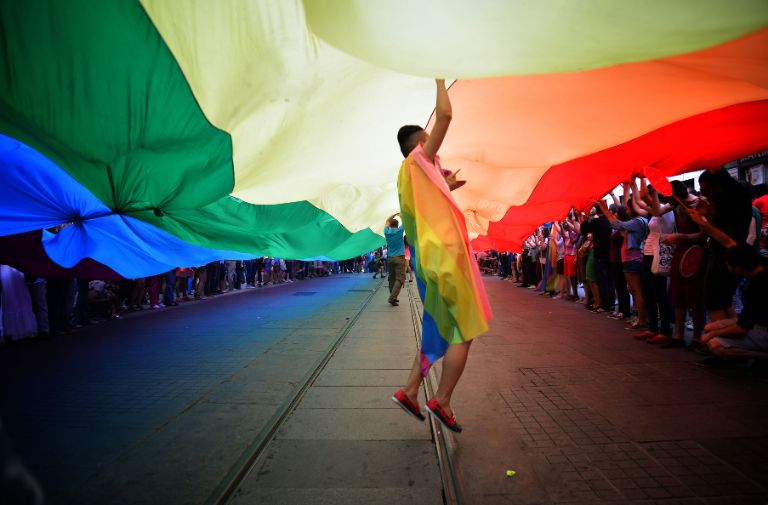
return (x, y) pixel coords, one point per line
(454, 490)
(224, 492)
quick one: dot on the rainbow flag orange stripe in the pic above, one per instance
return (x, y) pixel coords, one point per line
(456, 307)
(533, 146)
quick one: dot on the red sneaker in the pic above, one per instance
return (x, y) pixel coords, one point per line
(438, 413)
(644, 335)
(407, 405)
(660, 339)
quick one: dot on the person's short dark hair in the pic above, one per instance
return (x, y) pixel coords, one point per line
(598, 210)
(621, 211)
(405, 138)
(719, 178)
(742, 256)
(706, 177)
(394, 223)
(679, 189)
(750, 189)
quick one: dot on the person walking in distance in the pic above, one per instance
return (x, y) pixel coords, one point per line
(393, 232)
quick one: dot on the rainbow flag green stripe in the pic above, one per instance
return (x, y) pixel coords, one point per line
(93, 87)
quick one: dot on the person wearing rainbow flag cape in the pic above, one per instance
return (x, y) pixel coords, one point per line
(456, 308)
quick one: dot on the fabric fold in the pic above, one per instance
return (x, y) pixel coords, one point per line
(456, 307)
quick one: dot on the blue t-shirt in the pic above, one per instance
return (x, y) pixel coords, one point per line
(395, 244)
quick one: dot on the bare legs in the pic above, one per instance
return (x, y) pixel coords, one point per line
(574, 285)
(408, 270)
(414, 380)
(587, 292)
(698, 323)
(633, 282)
(453, 366)
(595, 295)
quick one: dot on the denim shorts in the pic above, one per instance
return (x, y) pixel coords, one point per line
(632, 267)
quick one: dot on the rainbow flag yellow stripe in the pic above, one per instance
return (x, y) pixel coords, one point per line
(447, 274)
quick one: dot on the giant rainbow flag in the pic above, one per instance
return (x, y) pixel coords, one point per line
(136, 136)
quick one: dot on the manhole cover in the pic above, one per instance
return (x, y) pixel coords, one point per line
(305, 293)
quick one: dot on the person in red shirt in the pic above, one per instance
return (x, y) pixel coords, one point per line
(761, 204)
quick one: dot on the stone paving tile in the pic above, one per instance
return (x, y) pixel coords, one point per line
(240, 390)
(342, 377)
(670, 501)
(735, 500)
(644, 422)
(351, 397)
(576, 375)
(749, 455)
(338, 496)
(355, 351)
(635, 474)
(372, 361)
(180, 462)
(551, 417)
(701, 470)
(353, 424)
(362, 331)
(334, 464)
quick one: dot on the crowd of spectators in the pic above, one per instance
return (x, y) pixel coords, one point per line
(37, 307)
(686, 270)
(682, 270)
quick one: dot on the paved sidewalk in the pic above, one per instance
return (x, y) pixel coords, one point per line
(158, 408)
(347, 443)
(585, 414)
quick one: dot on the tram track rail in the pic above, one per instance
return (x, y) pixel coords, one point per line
(454, 488)
(445, 444)
(251, 456)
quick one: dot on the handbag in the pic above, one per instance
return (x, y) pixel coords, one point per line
(691, 261)
(662, 260)
(662, 257)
